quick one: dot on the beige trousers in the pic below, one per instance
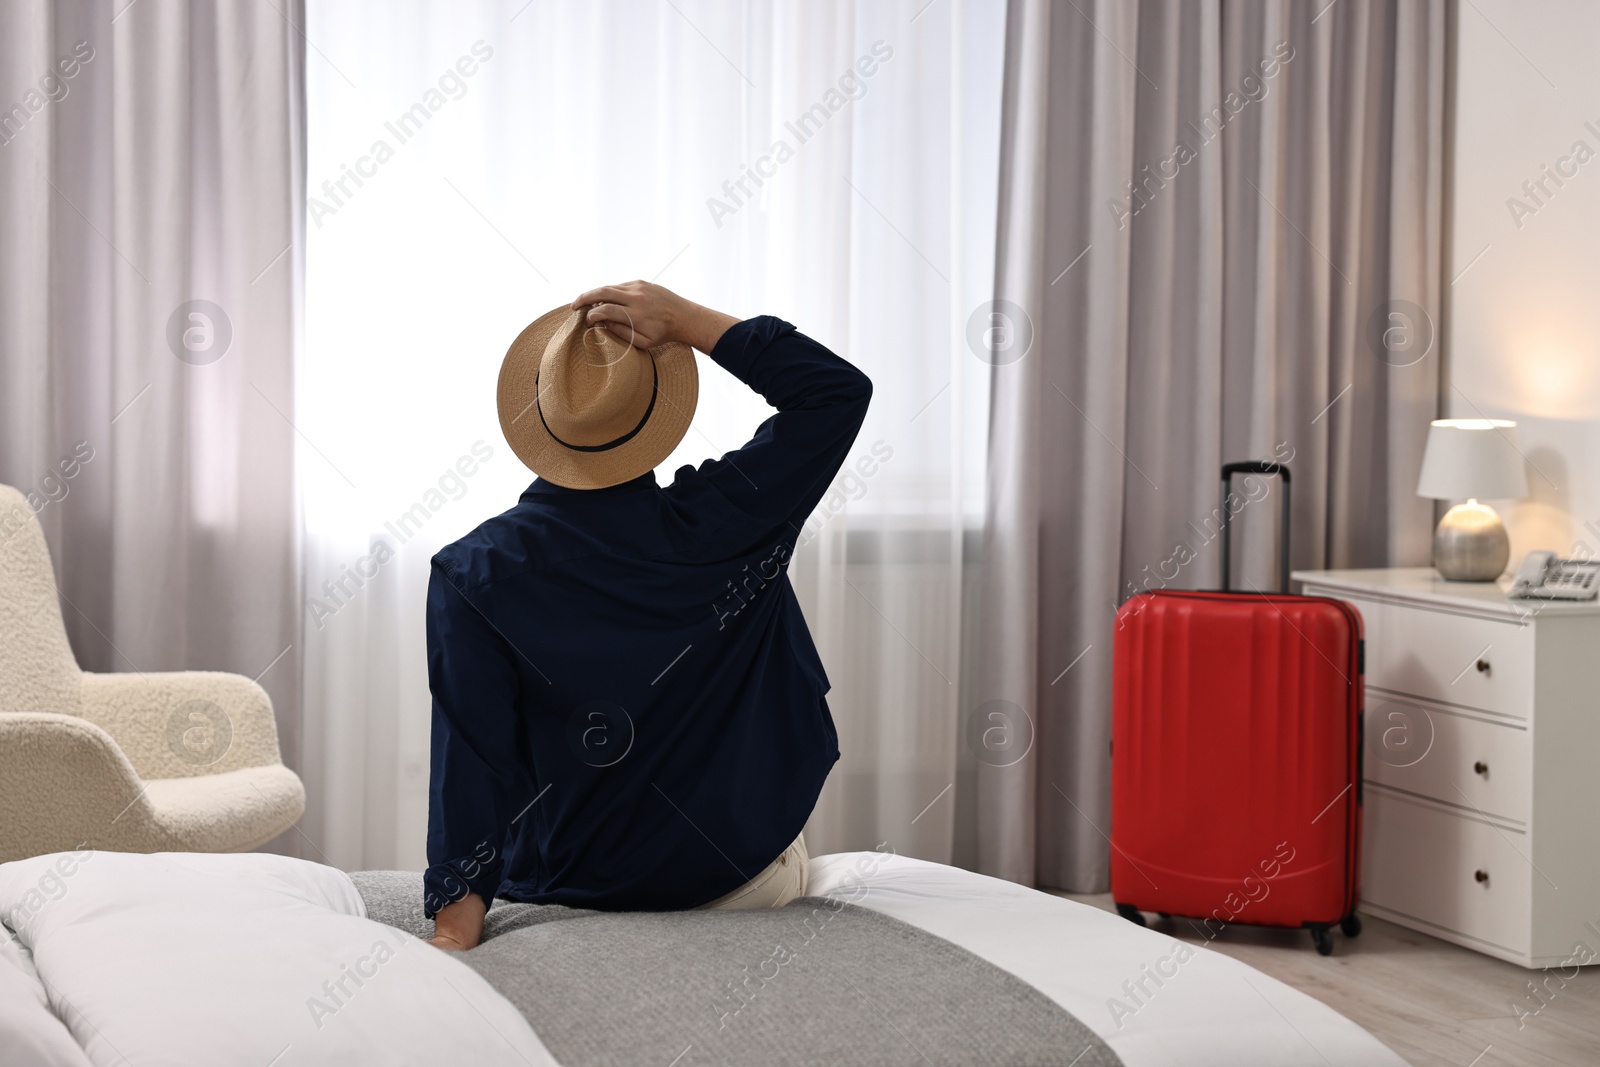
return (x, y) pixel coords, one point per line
(783, 880)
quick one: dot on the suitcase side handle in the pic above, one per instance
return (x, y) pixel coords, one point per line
(1256, 467)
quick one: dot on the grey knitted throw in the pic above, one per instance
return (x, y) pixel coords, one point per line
(817, 982)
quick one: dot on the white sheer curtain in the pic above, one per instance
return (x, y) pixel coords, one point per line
(472, 166)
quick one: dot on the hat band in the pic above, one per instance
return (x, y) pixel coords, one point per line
(655, 386)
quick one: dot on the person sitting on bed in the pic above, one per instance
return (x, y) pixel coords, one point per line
(628, 709)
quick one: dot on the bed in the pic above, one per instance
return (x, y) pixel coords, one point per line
(175, 958)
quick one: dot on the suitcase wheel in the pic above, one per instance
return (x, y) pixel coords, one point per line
(1131, 913)
(1323, 940)
(1351, 925)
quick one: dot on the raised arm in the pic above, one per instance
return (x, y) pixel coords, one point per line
(764, 491)
(760, 495)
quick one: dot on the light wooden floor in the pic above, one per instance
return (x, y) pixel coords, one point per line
(1432, 1002)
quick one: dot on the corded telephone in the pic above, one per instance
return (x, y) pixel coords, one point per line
(1547, 577)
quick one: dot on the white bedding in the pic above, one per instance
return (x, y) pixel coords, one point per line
(1207, 1010)
(269, 961)
(30, 1033)
(241, 959)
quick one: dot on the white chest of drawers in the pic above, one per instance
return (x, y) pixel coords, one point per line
(1481, 762)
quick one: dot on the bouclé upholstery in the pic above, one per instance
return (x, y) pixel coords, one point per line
(177, 761)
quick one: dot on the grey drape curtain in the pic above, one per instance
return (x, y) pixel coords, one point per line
(151, 156)
(1222, 222)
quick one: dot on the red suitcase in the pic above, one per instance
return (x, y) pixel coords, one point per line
(1236, 753)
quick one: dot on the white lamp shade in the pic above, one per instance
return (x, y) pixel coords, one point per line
(1477, 458)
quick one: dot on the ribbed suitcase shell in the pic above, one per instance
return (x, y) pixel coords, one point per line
(1236, 757)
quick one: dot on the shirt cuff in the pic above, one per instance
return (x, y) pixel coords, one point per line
(446, 883)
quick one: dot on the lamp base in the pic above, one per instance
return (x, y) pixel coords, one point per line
(1470, 544)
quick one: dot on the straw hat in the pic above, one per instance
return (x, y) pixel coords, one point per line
(585, 410)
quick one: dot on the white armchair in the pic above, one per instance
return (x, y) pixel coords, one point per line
(182, 761)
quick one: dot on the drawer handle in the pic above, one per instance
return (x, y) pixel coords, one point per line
(1482, 876)
(1483, 666)
(1481, 768)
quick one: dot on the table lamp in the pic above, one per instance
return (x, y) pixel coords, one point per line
(1471, 458)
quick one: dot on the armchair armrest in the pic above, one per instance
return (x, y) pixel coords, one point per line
(181, 724)
(63, 784)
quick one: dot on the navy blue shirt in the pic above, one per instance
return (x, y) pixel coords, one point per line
(628, 710)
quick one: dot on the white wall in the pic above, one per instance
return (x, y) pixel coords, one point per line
(1525, 317)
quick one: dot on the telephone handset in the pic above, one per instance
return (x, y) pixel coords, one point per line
(1547, 577)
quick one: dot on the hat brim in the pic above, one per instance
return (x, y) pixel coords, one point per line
(677, 392)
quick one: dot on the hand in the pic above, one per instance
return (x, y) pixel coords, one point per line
(459, 926)
(647, 315)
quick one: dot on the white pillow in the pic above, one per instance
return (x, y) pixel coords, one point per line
(183, 958)
(29, 1031)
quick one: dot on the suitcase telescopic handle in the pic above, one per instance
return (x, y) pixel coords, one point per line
(1257, 467)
